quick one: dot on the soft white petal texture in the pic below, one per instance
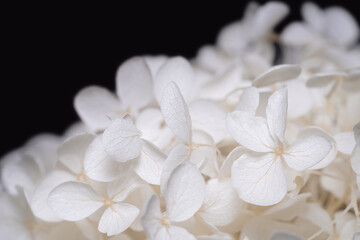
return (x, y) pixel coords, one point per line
(133, 83)
(95, 105)
(73, 201)
(120, 189)
(225, 169)
(300, 99)
(280, 235)
(308, 131)
(276, 113)
(314, 16)
(279, 73)
(177, 156)
(267, 17)
(118, 218)
(209, 117)
(306, 152)
(345, 142)
(150, 163)
(121, 140)
(222, 204)
(177, 233)
(39, 205)
(72, 152)
(184, 193)
(318, 216)
(175, 112)
(150, 216)
(231, 38)
(355, 160)
(250, 131)
(24, 173)
(259, 179)
(321, 80)
(99, 166)
(296, 34)
(249, 100)
(177, 70)
(344, 30)
(356, 236)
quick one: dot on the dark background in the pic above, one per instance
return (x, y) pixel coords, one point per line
(50, 52)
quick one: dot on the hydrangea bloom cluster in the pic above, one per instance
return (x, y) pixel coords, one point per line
(213, 148)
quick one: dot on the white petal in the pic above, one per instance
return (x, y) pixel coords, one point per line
(175, 112)
(305, 153)
(306, 132)
(95, 105)
(345, 142)
(249, 100)
(179, 233)
(121, 140)
(279, 73)
(300, 99)
(222, 203)
(343, 28)
(120, 189)
(177, 156)
(184, 193)
(117, 218)
(73, 201)
(259, 179)
(39, 205)
(250, 131)
(232, 38)
(177, 70)
(314, 16)
(150, 163)
(296, 34)
(323, 79)
(134, 83)
(355, 160)
(99, 166)
(356, 236)
(24, 173)
(150, 216)
(225, 169)
(267, 17)
(276, 113)
(155, 62)
(209, 117)
(72, 152)
(318, 216)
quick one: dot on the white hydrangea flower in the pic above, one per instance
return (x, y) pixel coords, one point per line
(263, 168)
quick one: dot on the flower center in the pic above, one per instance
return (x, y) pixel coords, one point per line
(279, 151)
(108, 202)
(81, 177)
(165, 221)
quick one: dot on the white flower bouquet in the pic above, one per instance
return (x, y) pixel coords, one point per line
(225, 146)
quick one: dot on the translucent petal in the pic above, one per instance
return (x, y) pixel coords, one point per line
(121, 140)
(279, 73)
(314, 16)
(134, 83)
(296, 34)
(99, 166)
(249, 100)
(177, 70)
(184, 193)
(225, 169)
(117, 218)
(73, 201)
(323, 79)
(177, 156)
(209, 117)
(250, 131)
(175, 112)
(95, 105)
(39, 205)
(120, 189)
(72, 152)
(150, 216)
(259, 179)
(150, 163)
(345, 142)
(306, 152)
(276, 113)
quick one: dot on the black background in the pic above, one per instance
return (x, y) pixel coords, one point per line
(50, 52)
